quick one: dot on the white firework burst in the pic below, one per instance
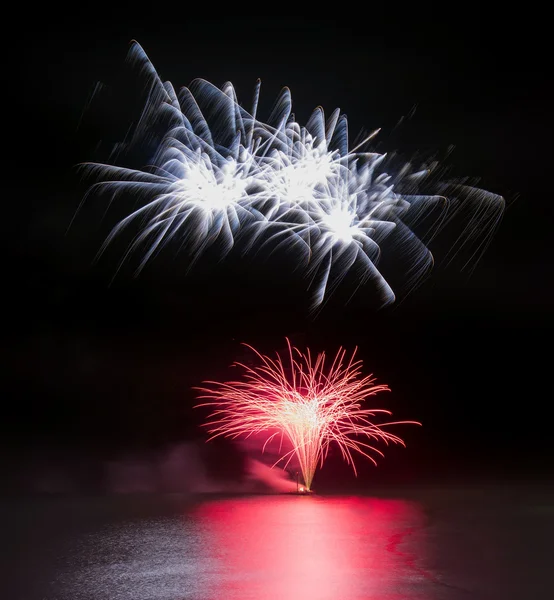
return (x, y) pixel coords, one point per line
(220, 172)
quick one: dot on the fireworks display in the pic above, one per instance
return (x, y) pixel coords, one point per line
(219, 172)
(309, 402)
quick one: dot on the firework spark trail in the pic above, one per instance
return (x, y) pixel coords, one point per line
(192, 193)
(305, 401)
(220, 172)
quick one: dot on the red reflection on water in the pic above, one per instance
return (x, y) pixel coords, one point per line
(311, 547)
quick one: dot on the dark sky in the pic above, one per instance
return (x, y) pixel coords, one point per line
(103, 366)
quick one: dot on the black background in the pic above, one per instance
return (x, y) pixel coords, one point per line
(96, 368)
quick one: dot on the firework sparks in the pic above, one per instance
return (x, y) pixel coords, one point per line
(219, 171)
(195, 199)
(305, 400)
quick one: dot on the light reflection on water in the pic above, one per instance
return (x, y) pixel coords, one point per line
(259, 547)
(487, 543)
(309, 547)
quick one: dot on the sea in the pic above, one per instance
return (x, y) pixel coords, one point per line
(427, 543)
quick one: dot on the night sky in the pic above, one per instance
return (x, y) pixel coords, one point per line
(96, 368)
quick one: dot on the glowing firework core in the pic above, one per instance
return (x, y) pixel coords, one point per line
(340, 220)
(305, 402)
(210, 192)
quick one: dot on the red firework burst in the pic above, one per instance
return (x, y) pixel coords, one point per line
(304, 400)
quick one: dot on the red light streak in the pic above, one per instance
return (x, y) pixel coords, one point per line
(305, 401)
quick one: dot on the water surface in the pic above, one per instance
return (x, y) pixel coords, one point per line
(425, 544)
